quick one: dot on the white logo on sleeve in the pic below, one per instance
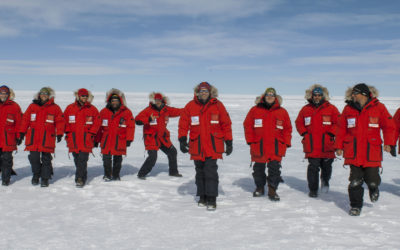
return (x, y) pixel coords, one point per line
(258, 123)
(195, 120)
(307, 121)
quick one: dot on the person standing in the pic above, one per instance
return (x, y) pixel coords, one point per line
(209, 126)
(115, 134)
(154, 119)
(359, 141)
(42, 123)
(317, 124)
(82, 123)
(268, 131)
(10, 120)
(396, 119)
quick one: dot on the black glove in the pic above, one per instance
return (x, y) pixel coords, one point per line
(20, 139)
(59, 138)
(183, 144)
(331, 135)
(393, 151)
(96, 144)
(229, 147)
(303, 134)
(128, 143)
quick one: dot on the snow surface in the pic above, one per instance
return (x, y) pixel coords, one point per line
(161, 212)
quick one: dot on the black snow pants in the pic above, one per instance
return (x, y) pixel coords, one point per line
(359, 175)
(274, 174)
(81, 160)
(314, 166)
(207, 178)
(6, 164)
(112, 165)
(41, 164)
(152, 158)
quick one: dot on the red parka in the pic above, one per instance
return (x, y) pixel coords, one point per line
(209, 125)
(10, 121)
(396, 119)
(267, 131)
(318, 126)
(155, 132)
(359, 133)
(116, 128)
(82, 122)
(41, 124)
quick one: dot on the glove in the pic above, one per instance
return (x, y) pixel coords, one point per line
(128, 143)
(183, 144)
(96, 144)
(59, 138)
(303, 134)
(392, 150)
(229, 147)
(20, 139)
(331, 135)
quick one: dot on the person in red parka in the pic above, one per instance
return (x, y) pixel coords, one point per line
(42, 123)
(396, 119)
(317, 123)
(10, 120)
(115, 134)
(82, 123)
(268, 131)
(359, 141)
(154, 119)
(209, 124)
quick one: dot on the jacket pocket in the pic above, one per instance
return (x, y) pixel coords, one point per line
(71, 140)
(217, 143)
(10, 138)
(49, 140)
(150, 140)
(328, 143)
(88, 140)
(30, 135)
(350, 147)
(194, 146)
(120, 144)
(374, 149)
(104, 141)
(256, 149)
(280, 148)
(307, 143)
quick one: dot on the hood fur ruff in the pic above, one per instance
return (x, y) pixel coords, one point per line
(372, 89)
(52, 94)
(325, 91)
(118, 93)
(11, 96)
(90, 98)
(165, 98)
(213, 91)
(261, 97)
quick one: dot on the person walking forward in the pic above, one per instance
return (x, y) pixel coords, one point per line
(317, 124)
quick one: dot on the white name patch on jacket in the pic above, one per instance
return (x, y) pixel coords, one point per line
(154, 122)
(71, 119)
(104, 123)
(351, 122)
(195, 120)
(307, 121)
(33, 117)
(258, 123)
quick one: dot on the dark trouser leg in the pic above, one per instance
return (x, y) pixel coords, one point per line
(117, 165)
(211, 177)
(356, 190)
(274, 174)
(6, 166)
(36, 165)
(326, 170)
(373, 180)
(107, 165)
(81, 160)
(200, 178)
(148, 163)
(313, 173)
(172, 161)
(259, 176)
(47, 167)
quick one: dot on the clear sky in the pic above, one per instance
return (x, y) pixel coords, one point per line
(240, 46)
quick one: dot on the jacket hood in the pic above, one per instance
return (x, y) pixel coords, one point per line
(11, 95)
(118, 93)
(90, 98)
(372, 89)
(52, 94)
(325, 91)
(213, 91)
(261, 99)
(165, 99)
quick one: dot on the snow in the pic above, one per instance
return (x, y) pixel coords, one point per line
(161, 212)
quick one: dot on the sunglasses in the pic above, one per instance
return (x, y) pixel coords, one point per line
(318, 95)
(355, 93)
(84, 96)
(43, 93)
(270, 94)
(203, 91)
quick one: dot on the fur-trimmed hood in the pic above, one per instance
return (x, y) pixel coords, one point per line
(118, 93)
(213, 91)
(372, 89)
(90, 98)
(11, 96)
(261, 99)
(165, 99)
(51, 96)
(325, 91)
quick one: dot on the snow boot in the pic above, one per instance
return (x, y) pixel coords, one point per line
(5, 182)
(142, 177)
(324, 186)
(44, 183)
(79, 183)
(374, 194)
(272, 195)
(211, 203)
(355, 211)
(175, 174)
(313, 194)
(258, 192)
(116, 178)
(35, 180)
(107, 178)
(202, 201)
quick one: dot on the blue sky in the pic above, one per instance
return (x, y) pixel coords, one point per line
(240, 46)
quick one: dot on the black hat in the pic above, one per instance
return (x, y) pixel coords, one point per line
(362, 88)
